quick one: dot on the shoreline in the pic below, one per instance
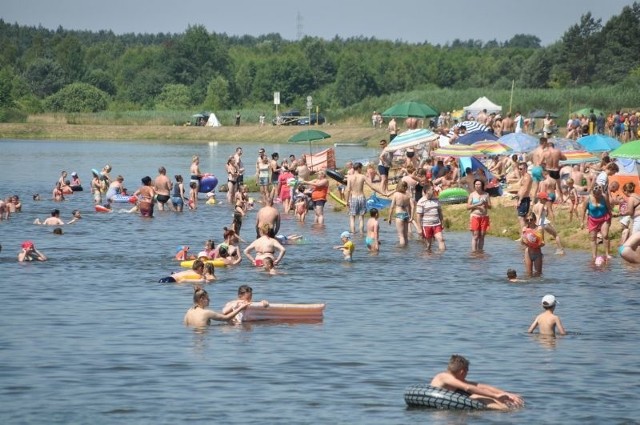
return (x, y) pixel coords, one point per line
(503, 223)
(241, 134)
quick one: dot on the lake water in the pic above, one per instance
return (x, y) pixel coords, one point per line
(91, 337)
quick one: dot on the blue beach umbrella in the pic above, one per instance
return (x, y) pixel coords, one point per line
(598, 143)
(476, 136)
(520, 142)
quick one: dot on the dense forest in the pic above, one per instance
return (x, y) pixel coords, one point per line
(42, 70)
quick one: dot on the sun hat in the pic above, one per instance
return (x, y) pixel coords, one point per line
(74, 174)
(549, 301)
(27, 244)
(345, 235)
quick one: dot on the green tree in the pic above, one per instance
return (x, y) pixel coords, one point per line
(70, 56)
(523, 41)
(102, 80)
(218, 94)
(620, 41)
(44, 77)
(77, 97)
(6, 87)
(174, 97)
(580, 48)
(354, 81)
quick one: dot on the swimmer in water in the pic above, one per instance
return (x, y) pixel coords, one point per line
(199, 315)
(245, 295)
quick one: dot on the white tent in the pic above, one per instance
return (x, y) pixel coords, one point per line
(213, 121)
(480, 104)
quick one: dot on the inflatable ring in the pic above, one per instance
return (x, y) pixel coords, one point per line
(532, 238)
(336, 175)
(453, 195)
(218, 262)
(423, 395)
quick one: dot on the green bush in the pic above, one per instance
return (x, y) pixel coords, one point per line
(77, 97)
(12, 115)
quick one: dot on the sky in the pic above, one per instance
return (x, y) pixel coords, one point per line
(413, 21)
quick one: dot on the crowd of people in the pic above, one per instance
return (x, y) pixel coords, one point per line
(288, 187)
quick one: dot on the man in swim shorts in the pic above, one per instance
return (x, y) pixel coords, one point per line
(454, 379)
(162, 186)
(384, 165)
(524, 193)
(537, 158)
(552, 158)
(354, 194)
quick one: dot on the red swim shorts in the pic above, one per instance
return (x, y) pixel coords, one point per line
(479, 223)
(430, 231)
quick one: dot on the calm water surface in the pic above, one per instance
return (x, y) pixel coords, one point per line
(91, 337)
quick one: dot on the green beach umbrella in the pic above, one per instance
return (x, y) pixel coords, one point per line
(587, 111)
(309, 136)
(410, 110)
(629, 150)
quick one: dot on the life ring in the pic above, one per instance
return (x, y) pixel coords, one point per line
(102, 209)
(453, 195)
(532, 238)
(424, 395)
(218, 262)
(336, 175)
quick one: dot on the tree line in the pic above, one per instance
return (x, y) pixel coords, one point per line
(44, 70)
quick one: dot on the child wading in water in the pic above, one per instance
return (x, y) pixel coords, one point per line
(347, 246)
(373, 231)
(533, 242)
(548, 322)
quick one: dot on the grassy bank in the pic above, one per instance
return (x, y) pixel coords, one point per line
(54, 129)
(504, 224)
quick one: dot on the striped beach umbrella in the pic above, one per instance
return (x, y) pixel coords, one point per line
(471, 126)
(578, 157)
(492, 148)
(457, 151)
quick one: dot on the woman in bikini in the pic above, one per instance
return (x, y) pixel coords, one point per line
(265, 247)
(232, 176)
(401, 209)
(479, 204)
(599, 219)
(145, 195)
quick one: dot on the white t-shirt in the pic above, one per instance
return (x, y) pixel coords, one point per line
(429, 208)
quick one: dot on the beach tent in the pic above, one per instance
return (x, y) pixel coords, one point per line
(213, 121)
(481, 104)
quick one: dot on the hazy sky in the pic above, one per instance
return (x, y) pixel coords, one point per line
(436, 22)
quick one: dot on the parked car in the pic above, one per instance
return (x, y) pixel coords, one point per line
(287, 118)
(319, 119)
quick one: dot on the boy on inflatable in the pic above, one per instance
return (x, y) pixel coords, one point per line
(454, 379)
